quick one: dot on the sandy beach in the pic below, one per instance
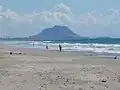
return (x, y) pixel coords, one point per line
(32, 69)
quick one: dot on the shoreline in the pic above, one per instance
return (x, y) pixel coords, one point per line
(88, 53)
(92, 49)
(55, 53)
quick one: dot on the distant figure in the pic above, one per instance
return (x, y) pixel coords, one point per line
(60, 48)
(11, 53)
(115, 57)
(46, 47)
(33, 44)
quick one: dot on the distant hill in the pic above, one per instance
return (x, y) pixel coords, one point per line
(60, 34)
(56, 33)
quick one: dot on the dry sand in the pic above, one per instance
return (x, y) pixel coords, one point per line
(52, 70)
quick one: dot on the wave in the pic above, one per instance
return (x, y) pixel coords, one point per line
(90, 47)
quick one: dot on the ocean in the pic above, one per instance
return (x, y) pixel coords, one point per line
(98, 48)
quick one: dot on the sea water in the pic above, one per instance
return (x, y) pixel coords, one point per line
(75, 47)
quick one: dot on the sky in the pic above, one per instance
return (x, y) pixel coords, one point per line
(89, 18)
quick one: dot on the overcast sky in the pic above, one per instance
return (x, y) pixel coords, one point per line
(90, 18)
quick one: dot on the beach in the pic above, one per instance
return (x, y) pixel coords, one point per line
(34, 69)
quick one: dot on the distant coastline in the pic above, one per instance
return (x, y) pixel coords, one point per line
(101, 40)
(61, 34)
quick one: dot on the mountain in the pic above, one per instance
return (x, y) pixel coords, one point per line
(56, 33)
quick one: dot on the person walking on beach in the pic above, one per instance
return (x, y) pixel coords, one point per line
(46, 47)
(60, 48)
(33, 44)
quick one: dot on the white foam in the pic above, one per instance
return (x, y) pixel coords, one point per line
(98, 48)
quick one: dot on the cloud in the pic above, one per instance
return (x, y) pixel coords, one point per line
(29, 23)
(14, 24)
(62, 8)
(112, 16)
(60, 14)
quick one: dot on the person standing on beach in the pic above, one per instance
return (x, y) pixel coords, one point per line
(46, 47)
(60, 48)
(33, 44)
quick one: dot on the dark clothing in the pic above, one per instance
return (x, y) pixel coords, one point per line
(46, 47)
(115, 57)
(60, 47)
(33, 44)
